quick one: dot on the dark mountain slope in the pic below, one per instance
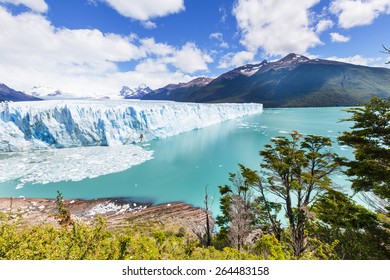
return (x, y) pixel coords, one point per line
(178, 92)
(8, 94)
(294, 81)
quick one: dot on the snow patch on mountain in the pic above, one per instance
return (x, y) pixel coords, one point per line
(135, 93)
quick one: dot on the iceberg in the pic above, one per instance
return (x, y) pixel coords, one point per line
(36, 125)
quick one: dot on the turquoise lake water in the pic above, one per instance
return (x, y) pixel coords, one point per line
(183, 165)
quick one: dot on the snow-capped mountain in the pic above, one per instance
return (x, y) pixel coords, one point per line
(42, 91)
(246, 70)
(293, 81)
(135, 93)
(50, 93)
(74, 123)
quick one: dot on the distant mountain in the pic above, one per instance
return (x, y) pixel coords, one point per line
(136, 93)
(43, 91)
(293, 81)
(178, 92)
(9, 94)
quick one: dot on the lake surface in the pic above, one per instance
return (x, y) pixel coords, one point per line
(183, 165)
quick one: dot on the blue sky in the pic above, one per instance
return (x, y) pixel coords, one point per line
(91, 47)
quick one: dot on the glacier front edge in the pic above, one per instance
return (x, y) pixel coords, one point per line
(37, 125)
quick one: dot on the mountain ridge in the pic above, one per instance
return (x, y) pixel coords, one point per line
(9, 94)
(293, 81)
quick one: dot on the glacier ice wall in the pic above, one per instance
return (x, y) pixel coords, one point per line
(58, 124)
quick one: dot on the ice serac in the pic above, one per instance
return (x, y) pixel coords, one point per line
(54, 124)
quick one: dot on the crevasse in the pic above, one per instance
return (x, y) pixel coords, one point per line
(57, 124)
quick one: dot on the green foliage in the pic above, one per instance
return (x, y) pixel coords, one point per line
(370, 139)
(63, 216)
(359, 233)
(269, 248)
(297, 170)
(236, 204)
(227, 253)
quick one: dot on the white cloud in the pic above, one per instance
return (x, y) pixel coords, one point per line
(236, 59)
(149, 24)
(190, 59)
(356, 13)
(223, 12)
(323, 25)
(84, 61)
(218, 37)
(276, 26)
(337, 37)
(146, 9)
(150, 46)
(39, 6)
(356, 59)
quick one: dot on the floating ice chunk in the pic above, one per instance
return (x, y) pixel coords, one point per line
(56, 165)
(104, 208)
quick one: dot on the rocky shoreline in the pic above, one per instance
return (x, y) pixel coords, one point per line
(117, 212)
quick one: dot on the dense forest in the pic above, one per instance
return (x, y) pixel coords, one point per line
(288, 209)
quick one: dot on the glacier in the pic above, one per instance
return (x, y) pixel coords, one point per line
(36, 125)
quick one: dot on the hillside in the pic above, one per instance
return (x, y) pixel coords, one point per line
(178, 92)
(8, 94)
(294, 81)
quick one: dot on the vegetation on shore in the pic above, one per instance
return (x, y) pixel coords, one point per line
(321, 222)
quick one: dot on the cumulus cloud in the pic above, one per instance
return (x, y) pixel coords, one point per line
(39, 6)
(190, 59)
(276, 26)
(145, 10)
(230, 60)
(81, 61)
(151, 47)
(337, 37)
(323, 25)
(356, 59)
(149, 24)
(356, 13)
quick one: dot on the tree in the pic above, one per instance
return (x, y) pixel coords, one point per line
(386, 50)
(359, 233)
(296, 172)
(236, 207)
(204, 233)
(63, 216)
(370, 139)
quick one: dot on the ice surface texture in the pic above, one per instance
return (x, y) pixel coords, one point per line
(26, 126)
(56, 165)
